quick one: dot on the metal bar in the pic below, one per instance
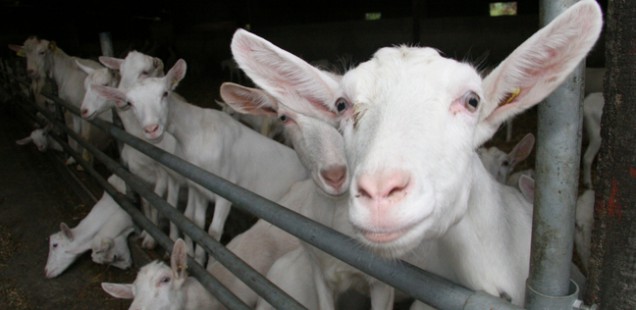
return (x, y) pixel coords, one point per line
(557, 179)
(206, 279)
(420, 284)
(262, 286)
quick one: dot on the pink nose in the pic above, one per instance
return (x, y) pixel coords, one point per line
(384, 189)
(334, 176)
(151, 128)
(84, 112)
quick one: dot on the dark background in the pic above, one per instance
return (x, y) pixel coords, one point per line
(200, 31)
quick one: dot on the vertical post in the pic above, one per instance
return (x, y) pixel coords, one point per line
(106, 44)
(557, 179)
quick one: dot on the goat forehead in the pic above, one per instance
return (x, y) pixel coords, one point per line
(149, 274)
(402, 100)
(147, 91)
(408, 81)
(33, 44)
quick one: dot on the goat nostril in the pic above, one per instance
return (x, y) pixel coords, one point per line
(151, 128)
(388, 184)
(334, 176)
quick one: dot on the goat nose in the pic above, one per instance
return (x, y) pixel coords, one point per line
(84, 112)
(383, 187)
(151, 128)
(30, 72)
(334, 176)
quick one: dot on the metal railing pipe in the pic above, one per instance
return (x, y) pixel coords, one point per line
(420, 284)
(242, 270)
(226, 297)
(557, 179)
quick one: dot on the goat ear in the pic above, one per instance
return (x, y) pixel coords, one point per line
(122, 291)
(18, 49)
(538, 66)
(52, 45)
(24, 141)
(111, 62)
(66, 231)
(176, 74)
(285, 76)
(111, 93)
(179, 259)
(247, 100)
(522, 150)
(158, 64)
(86, 69)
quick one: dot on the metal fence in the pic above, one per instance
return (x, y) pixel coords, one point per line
(407, 278)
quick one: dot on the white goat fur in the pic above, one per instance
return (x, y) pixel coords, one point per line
(41, 139)
(68, 244)
(584, 224)
(321, 150)
(135, 67)
(163, 287)
(327, 276)
(268, 126)
(417, 181)
(501, 164)
(214, 141)
(592, 113)
(110, 245)
(45, 59)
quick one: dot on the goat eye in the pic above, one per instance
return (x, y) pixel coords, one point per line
(165, 279)
(341, 104)
(165, 94)
(54, 245)
(471, 101)
(282, 118)
(129, 104)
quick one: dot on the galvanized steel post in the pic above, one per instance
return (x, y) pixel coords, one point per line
(557, 179)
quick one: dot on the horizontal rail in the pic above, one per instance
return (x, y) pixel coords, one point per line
(422, 285)
(242, 270)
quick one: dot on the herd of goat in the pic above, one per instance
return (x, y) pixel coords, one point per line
(389, 153)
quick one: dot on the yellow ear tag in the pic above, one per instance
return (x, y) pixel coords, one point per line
(20, 53)
(511, 96)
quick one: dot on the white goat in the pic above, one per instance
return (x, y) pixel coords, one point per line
(584, 224)
(592, 113)
(110, 245)
(112, 251)
(68, 244)
(46, 59)
(501, 164)
(320, 148)
(163, 287)
(328, 276)
(268, 126)
(411, 136)
(214, 141)
(41, 139)
(135, 67)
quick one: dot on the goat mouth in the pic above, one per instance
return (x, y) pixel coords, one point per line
(156, 139)
(383, 236)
